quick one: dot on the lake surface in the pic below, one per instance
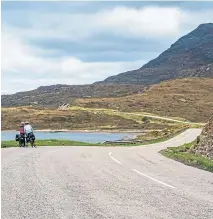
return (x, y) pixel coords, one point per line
(91, 137)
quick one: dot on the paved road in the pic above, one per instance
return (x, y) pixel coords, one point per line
(104, 182)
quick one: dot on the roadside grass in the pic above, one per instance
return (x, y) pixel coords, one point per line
(181, 154)
(50, 142)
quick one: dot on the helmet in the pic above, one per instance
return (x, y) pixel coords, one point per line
(22, 124)
(27, 123)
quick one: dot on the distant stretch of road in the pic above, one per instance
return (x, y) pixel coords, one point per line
(166, 118)
(104, 182)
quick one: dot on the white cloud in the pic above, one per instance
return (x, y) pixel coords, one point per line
(146, 22)
(24, 67)
(151, 22)
(192, 19)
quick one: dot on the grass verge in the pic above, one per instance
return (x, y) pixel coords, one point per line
(55, 142)
(50, 142)
(181, 154)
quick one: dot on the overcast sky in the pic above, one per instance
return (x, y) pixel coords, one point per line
(46, 43)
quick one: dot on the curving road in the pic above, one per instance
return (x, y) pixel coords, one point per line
(104, 182)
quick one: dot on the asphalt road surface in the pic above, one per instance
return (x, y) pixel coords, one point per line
(104, 182)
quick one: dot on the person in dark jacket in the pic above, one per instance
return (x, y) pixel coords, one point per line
(22, 135)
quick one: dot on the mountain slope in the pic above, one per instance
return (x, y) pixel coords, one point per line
(184, 58)
(55, 94)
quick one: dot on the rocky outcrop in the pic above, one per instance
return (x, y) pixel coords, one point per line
(204, 71)
(208, 129)
(204, 144)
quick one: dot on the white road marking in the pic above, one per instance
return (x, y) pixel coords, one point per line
(117, 161)
(165, 184)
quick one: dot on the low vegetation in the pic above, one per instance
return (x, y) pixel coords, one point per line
(183, 155)
(190, 98)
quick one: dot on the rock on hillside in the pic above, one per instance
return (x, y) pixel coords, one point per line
(205, 145)
(204, 71)
(208, 129)
(191, 55)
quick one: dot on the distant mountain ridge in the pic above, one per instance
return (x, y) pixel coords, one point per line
(183, 59)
